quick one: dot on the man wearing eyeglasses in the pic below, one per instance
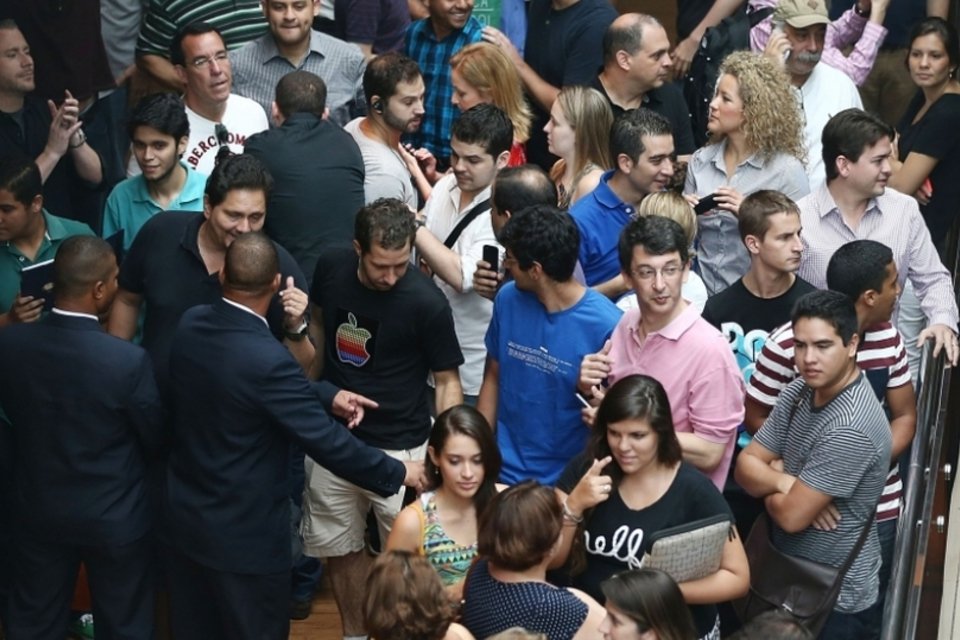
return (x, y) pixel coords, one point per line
(667, 339)
(641, 143)
(218, 118)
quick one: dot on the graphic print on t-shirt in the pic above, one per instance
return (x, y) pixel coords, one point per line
(745, 347)
(356, 338)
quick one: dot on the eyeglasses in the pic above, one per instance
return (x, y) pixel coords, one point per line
(648, 273)
(223, 136)
(200, 63)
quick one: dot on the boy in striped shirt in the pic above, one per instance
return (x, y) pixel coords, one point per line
(864, 271)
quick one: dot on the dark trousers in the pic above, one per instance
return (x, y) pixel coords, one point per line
(863, 625)
(121, 580)
(206, 604)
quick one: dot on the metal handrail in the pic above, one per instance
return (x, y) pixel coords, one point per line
(902, 605)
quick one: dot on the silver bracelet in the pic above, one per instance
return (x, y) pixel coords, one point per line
(569, 514)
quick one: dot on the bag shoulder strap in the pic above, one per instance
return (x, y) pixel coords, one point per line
(756, 17)
(866, 528)
(480, 207)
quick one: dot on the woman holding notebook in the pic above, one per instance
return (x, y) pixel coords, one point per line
(632, 483)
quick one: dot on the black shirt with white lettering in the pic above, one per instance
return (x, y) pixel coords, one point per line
(616, 536)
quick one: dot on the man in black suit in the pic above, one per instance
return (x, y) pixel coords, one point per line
(237, 399)
(84, 416)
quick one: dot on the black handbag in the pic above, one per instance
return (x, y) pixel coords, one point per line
(805, 589)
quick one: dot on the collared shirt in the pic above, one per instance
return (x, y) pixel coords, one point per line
(721, 255)
(247, 310)
(433, 56)
(471, 312)
(238, 21)
(164, 266)
(893, 219)
(75, 314)
(693, 362)
(12, 261)
(130, 205)
(258, 67)
(600, 216)
(849, 30)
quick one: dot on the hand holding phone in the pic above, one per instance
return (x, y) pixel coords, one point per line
(706, 204)
(491, 255)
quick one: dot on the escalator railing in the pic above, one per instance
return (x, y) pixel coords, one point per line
(902, 606)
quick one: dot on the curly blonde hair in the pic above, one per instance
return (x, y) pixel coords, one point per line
(772, 122)
(488, 70)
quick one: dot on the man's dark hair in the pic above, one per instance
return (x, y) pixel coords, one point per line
(627, 38)
(81, 262)
(486, 125)
(833, 307)
(301, 92)
(543, 234)
(161, 111)
(857, 267)
(241, 171)
(8, 24)
(756, 209)
(657, 235)
(251, 264)
(773, 624)
(177, 55)
(21, 177)
(516, 188)
(628, 130)
(388, 222)
(848, 134)
(385, 72)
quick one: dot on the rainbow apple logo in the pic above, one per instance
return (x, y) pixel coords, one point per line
(352, 342)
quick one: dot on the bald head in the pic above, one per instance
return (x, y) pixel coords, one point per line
(626, 34)
(516, 188)
(251, 266)
(81, 264)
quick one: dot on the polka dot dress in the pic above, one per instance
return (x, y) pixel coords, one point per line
(492, 606)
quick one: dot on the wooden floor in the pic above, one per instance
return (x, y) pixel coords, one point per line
(324, 620)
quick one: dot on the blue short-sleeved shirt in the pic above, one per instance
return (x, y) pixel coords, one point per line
(600, 216)
(538, 415)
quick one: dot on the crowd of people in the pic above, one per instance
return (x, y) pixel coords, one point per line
(459, 315)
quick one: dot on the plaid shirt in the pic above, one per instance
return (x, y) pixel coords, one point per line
(434, 59)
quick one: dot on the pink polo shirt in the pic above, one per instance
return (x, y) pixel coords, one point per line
(693, 362)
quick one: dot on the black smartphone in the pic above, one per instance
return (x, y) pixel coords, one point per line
(491, 255)
(707, 203)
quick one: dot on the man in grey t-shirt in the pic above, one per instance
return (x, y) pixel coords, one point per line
(394, 90)
(820, 460)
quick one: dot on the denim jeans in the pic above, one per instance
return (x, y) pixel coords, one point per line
(863, 625)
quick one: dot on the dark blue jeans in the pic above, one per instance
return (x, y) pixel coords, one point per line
(863, 625)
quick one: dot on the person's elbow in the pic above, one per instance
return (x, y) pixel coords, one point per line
(791, 520)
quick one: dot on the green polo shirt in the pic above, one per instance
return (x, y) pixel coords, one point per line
(12, 261)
